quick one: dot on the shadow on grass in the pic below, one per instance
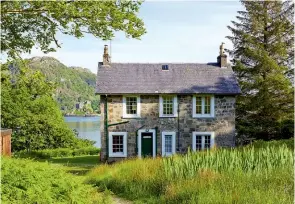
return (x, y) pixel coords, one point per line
(78, 165)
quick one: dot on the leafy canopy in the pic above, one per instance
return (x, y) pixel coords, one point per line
(27, 107)
(25, 24)
(263, 53)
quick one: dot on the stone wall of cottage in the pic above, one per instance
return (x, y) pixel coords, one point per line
(223, 124)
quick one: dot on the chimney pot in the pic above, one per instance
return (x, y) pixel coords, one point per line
(106, 56)
(222, 58)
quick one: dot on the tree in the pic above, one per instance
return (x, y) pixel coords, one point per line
(25, 24)
(27, 107)
(263, 53)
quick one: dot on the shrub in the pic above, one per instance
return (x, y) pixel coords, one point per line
(26, 181)
(275, 143)
(60, 152)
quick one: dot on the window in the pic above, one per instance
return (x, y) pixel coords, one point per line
(118, 144)
(165, 67)
(203, 106)
(168, 106)
(202, 140)
(131, 106)
(168, 143)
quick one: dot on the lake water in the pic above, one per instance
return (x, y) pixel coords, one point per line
(87, 127)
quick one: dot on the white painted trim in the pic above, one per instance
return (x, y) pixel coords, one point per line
(212, 139)
(137, 115)
(212, 107)
(173, 143)
(175, 106)
(139, 141)
(111, 153)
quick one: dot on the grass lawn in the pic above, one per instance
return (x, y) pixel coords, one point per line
(78, 165)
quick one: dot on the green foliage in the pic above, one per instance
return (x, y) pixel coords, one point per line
(25, 181)
(59, 152)
(274, 143)
(259, 161)
(25, 24)
(73, 84)
(245, 175)
(28, 108)
(263, 53)
(84, 162)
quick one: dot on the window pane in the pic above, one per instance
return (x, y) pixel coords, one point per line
(198, 142)
(168, 144)
(207, 144)
(131, 105)
(198, 105)
(207, 105)
(168, 105)
(118, 143)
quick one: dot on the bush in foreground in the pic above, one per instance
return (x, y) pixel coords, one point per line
(59, 152)
(274, 143)
(246, 175)
(25, 181)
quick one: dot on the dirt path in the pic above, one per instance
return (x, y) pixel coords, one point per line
(81, 169)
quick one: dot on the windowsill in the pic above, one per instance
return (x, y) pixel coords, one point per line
(168, 155)
(130, 117)
(117, 155)
(168, 116)
(203, 116)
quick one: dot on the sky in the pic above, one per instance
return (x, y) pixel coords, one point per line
(177, 31)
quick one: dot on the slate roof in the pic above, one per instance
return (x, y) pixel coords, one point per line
(182, 78)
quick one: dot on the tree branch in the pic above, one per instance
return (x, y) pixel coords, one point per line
(25, 11)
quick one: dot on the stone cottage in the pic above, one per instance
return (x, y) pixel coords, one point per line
(158, 109)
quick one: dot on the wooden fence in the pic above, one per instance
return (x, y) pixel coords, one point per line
(5, 142)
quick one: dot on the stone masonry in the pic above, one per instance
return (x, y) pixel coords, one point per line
(223, 124)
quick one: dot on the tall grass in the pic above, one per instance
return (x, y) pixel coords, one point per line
(242, 175)
(259, 161)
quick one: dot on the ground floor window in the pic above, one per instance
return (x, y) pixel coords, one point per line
(202, 140)
(168, 143)
(118, 144)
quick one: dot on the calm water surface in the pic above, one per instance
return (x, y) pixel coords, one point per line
(87, 127)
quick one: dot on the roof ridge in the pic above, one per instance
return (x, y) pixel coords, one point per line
(160, 63)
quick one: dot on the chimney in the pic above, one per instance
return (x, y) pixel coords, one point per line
(106, 56)
(222, 58)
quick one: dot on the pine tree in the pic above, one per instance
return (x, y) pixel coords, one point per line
(263, 58)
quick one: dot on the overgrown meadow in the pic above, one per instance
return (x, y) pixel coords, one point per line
(241, 175)
(259, 173)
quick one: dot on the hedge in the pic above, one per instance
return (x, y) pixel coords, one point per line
(60, 152)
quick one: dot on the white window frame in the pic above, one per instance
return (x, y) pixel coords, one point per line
(175, 104)
(125, 115)
(173, 143)
(212, 138)
(116, 154)
(212, 107)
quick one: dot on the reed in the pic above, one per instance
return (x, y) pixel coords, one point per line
(259, 161)
(241, 175)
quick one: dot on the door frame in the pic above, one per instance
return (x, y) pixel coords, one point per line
(139, 141)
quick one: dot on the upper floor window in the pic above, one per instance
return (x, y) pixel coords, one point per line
(168, 106)
(203, 106)
(131, 106)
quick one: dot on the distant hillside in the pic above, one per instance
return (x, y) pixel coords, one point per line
(75, 85)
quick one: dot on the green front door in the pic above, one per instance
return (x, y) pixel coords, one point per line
(147, 144)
